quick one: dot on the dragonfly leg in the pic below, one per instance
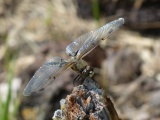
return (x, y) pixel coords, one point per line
(78, 80)
(75, 79)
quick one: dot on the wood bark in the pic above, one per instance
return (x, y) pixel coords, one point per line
(86, 102)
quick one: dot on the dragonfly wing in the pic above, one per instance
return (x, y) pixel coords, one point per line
(73, 47)
(46, 74)
(98, 35)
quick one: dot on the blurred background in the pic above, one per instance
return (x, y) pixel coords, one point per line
(127, 65)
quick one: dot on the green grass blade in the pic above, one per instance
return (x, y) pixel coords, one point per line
(95, 9)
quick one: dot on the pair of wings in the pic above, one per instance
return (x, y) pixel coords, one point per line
(79, 48)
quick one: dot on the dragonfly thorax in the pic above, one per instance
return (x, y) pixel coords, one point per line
(87, 71)
(82, 67)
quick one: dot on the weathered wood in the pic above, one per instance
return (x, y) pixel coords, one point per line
(86, 102)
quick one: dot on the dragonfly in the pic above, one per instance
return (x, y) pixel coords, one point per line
(77, 50)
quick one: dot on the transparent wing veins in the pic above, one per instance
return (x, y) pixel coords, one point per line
(73, 47)
(46, 74)
(98, 35)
